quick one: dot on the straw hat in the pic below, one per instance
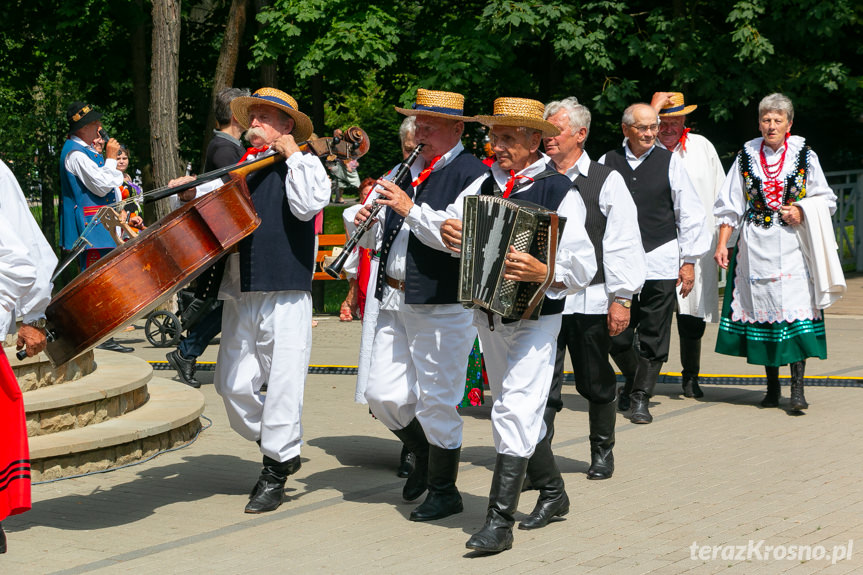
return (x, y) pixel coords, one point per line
(277, 99)
(79, 114)
(447, 105)
(518, 112)
(677, 107)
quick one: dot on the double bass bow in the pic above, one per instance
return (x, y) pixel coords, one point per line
(144, 272)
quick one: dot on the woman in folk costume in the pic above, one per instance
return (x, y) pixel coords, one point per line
(26, 264)
(784, 269)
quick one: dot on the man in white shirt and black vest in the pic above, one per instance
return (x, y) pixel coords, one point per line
(266, 289)
(423, 336)
(671, 221)
(592, 316)
(520, 354)
(705, 170)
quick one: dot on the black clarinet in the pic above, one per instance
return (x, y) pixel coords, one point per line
(335, 268)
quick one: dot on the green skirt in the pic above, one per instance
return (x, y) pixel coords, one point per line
(772, 344)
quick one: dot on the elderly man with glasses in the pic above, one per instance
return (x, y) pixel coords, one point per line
(671, 220)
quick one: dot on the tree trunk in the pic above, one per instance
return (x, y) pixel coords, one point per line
(164, 78)
(317, 114)
(226, 66)
(268, 69)
(47, 183)
(138, 48)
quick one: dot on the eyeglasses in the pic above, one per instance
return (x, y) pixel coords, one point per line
(645, 129)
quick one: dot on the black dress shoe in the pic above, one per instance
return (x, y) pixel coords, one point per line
(185, 368)
(112, 345)
(267, 495)
(2, 540)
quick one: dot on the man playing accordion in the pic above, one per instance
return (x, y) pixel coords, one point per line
(520, 353)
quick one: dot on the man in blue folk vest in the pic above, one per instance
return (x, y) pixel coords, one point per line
(87, 182)
(520, 354)
(266, 289)
(424, 336)
(671, 220)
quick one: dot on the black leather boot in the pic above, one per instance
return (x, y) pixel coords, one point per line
(269, 492)
(690, 357)
(798, 401)
(406, 462)
(645, 382)
(545, 476)
(414, 438)
(496, 534)
(2, 539)
(628, 364)
(185, 368)
(602, 419)
(443, 498)
(548, 417)
(771, 398)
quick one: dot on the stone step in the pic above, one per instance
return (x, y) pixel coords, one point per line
(37, 372)
(170, 417)
(117, 386)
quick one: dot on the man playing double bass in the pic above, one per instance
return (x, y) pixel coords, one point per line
(267, 313)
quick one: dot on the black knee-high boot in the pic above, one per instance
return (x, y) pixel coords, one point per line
(690, 357)
(645, 382)
(496, 534)
(269, 491)
(443, 499)
(545, 476)
(627, 361)
(414, 438)
(771, 398)
(798, 401)
(602, 418)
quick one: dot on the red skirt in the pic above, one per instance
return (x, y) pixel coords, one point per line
(14, 452)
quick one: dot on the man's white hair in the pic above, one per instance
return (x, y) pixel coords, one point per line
(629, 113)
(579, 115)
(408, 128)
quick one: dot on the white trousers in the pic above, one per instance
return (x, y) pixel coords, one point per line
(418, 369)
(519, 358)
(266, 338)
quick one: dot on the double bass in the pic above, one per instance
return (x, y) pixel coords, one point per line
(146, 271)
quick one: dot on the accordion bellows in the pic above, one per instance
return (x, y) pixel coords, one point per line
(490, 225)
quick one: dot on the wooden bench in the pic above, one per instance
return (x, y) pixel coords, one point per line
(326, 243)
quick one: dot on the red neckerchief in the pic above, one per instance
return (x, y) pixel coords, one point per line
(253, 152)
(682, 140)
(510, 184)
(425, 173)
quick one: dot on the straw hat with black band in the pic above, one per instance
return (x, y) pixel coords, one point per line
(277, 99)
(676, 107)
(448, 105)
(79, 114)
(519, 112)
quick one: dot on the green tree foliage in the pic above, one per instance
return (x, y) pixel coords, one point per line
(350, 62)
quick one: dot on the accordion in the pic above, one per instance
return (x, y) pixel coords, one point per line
(489, 226)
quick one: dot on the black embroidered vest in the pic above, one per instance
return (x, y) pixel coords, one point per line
(431, 276)
(759, 213)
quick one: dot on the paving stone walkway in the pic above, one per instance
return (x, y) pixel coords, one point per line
(716, 485)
